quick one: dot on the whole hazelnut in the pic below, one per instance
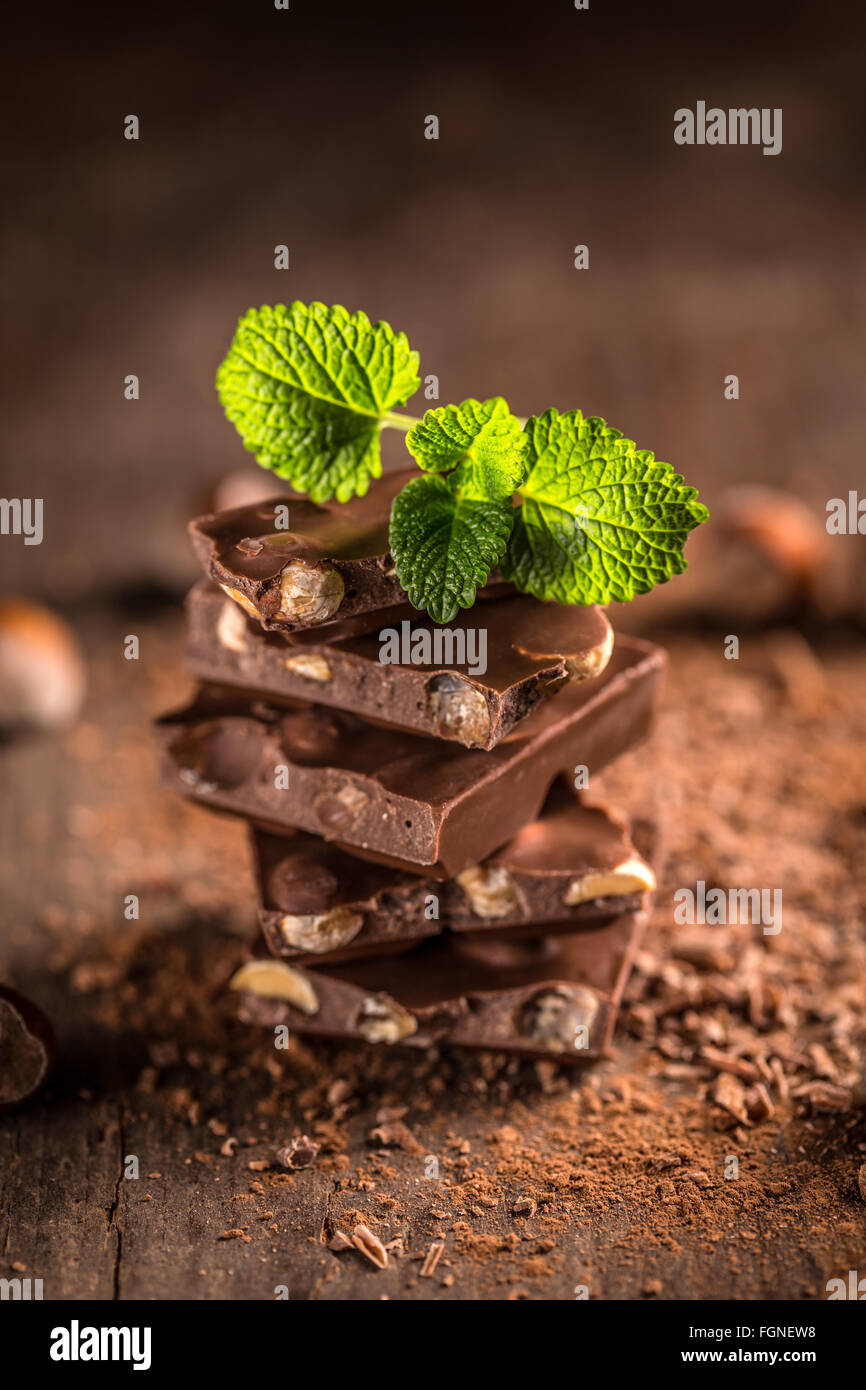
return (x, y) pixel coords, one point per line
(42, 675)
(26, 1048)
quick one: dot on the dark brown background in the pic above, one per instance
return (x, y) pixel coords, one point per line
(260, 127)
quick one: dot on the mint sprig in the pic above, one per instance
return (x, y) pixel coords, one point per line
(310, 389)
(600, 520)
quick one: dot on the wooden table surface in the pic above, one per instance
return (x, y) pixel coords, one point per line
(624, 1165)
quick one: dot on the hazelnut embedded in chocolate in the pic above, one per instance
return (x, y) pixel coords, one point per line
(318, 933)
(383, 1020)
(310, 736)
(490, 890)
(300, 884)
(217, 755)
(585, 653)
(632, 876)
(272, 979)
(458, 710)
(337, 808)
(232, 628)
(555, 1016)
(310, 666)
(310, 593)
(583, 665)
(246, 604)
(26, 1048)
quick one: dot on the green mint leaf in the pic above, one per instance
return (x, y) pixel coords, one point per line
(600, 520)
(444, 544)
(308, 388)
(482, 440)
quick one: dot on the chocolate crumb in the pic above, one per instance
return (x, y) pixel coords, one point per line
(299, 1154)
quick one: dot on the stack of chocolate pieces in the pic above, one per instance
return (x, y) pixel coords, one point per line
(427, 871)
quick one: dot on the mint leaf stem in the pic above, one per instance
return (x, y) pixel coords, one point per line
(394, 420)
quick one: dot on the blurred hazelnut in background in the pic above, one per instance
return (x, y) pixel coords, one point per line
(27, 1048)
(763, 559)
(42, 673)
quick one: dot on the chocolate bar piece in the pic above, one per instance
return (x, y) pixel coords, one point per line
(524, 649)
(412, 801)
(574, 867)
(552, 997)
(292, 563)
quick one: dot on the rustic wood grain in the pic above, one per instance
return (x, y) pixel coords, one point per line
(118, 992)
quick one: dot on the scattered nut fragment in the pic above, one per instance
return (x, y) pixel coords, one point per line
(490, 890)
(325, 931)
(699, 1177)
(299, 1154)
(384, 1020)
(431, 1259)
(524, 1206)
(370, 1245)
(632, 876)
(458, 710)
(557, 1017)
(310, 593)
(42, 675)
(232, 628)
(309, 665)
(339, 1241)
(240, 598)
(337, 810)
(272, 979)
(659, 1162)
(861, 1180)
(394, 1134)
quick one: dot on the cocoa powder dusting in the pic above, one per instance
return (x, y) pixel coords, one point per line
(718, 1151)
